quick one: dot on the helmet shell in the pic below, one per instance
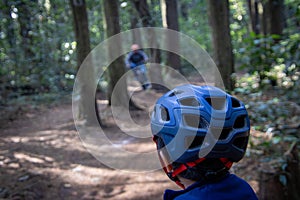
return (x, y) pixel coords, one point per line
(201, 121)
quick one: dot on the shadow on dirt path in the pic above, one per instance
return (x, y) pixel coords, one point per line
(42, 157)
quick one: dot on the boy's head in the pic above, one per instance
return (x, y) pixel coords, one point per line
(135, 47)
(199, 132)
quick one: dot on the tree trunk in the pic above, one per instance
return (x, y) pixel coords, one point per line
(155, 72)
(24, 18)
(9, 26)
(87, 78)
(184, 10)
(136, 36)
(147, 21)
(282, 182)
(173, 60)
(254, 16)
(172, 14)
(81, 29)
(116, 69)
(223, 56)
(10, 50)
(273, 17)
(276, 17)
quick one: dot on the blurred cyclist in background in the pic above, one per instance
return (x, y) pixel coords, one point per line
(136, 60)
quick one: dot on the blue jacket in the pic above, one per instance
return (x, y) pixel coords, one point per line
(136, 58)
(230, 187)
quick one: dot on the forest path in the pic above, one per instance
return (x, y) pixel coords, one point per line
(43, 157)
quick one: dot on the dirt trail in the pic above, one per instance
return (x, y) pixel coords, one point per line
(42, 157)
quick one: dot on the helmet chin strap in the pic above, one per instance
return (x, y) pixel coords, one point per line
(168, 168)
(172, 177)
(173, 174)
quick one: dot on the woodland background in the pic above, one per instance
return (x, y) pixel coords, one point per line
(255, 44)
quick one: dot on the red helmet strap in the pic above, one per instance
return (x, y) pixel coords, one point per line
(173, 174)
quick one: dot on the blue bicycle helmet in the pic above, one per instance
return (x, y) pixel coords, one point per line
(195, 122)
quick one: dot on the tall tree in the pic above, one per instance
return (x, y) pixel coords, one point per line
(276, 18)
(81, 27)
(27, 56)
(116, 69)
(87, 79)
(173, 60)
(254, 15)
(270, 19)
(223, 56)
(134, 21)
(8, 47)
(155, 71)
(24, 18)
(184, 10)
(9, 26)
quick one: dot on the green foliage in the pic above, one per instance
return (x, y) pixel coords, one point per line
(272, 113)
(261, 53)
(269, 60)
(44, 60)
(292, 13)
(275, 127)
(36, 52)
(270, 64)
(238, 23)
(95, 17)
(247, 84)
(196, 23)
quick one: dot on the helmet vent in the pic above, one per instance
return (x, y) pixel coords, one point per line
(159, 143)
(164, 114)
(195, 121)
(222, 132)
(192, 142)
(175, 92)
(240, 121)
(241, 142)
(235, 103)
(189, 102)
(217, 103)
(154, 111)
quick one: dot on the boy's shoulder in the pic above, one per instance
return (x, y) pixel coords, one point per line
(231, 187)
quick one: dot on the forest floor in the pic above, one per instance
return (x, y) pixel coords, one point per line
(42, 157)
